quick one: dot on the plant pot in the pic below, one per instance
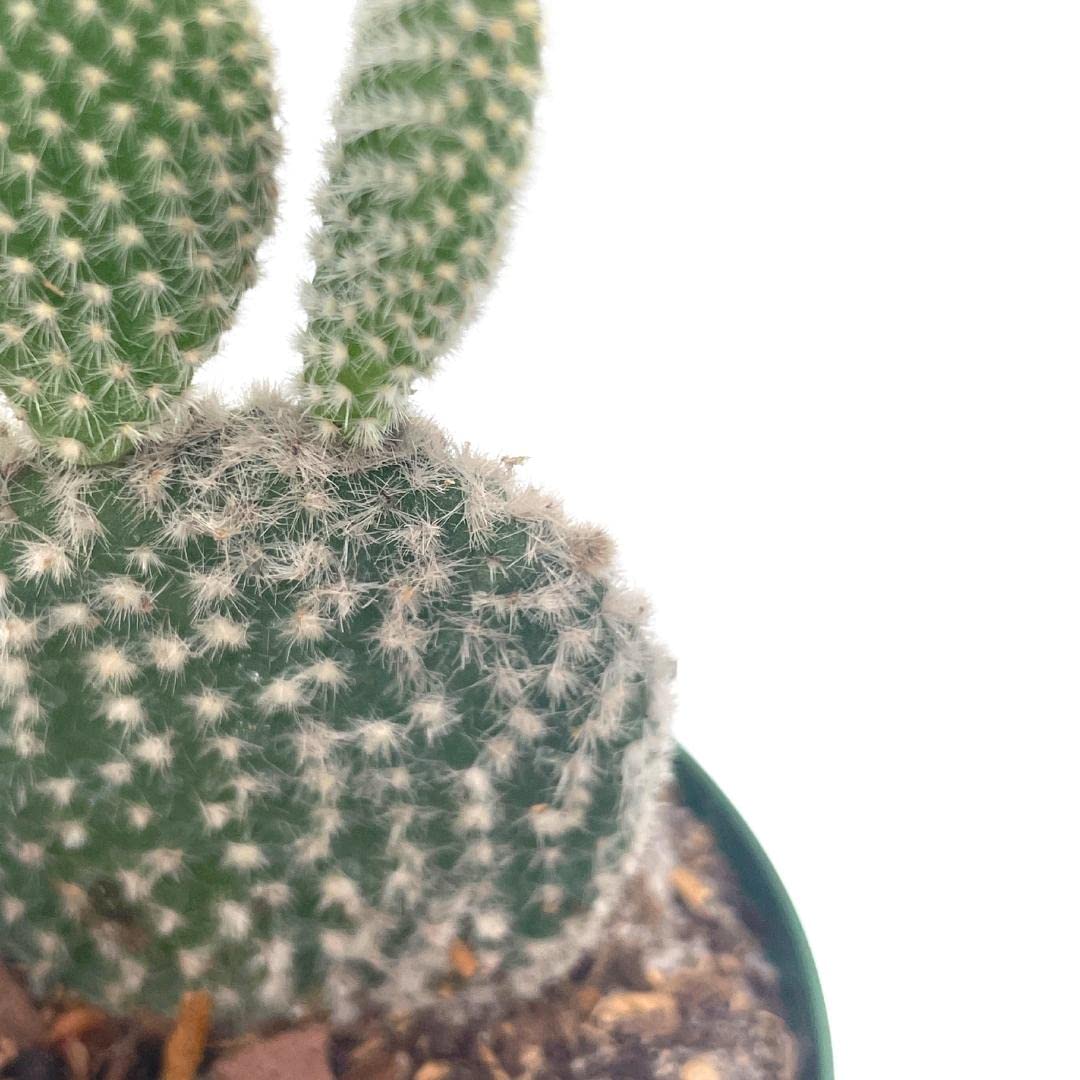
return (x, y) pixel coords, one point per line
(770, 915)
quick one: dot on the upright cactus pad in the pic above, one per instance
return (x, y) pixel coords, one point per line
(136, 154)
(434, 127)
(285, 719)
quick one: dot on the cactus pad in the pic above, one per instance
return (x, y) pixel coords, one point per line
(136, 154)
(433, 133)
(286, 720)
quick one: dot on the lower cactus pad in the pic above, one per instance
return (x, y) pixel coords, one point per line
(288, 720)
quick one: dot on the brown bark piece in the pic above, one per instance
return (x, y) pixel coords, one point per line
(295, 1055)
(696, 893)
(186, 1046)
(463, 960)
(78, 1059)
(701, 1068)
(434, 1070)
(643, 1014)
(8, 1051)
(19, 1021)
(77, 1022)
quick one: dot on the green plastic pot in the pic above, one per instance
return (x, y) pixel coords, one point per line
(770, 914)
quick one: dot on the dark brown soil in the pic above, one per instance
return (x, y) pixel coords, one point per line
(681, 991)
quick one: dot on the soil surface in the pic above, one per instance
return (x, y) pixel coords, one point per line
(680, 991)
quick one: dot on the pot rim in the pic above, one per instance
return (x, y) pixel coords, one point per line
(778, 924)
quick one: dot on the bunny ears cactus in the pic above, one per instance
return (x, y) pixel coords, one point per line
(294, 698)
(137, 150)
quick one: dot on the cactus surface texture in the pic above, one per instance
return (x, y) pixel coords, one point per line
(433, 133)
(285, 719)
(137, 145)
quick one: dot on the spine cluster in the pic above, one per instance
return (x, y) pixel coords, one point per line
(137, 146)
(433, 133)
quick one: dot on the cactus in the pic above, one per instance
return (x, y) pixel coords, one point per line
(297, 704)
(434, 127)
(136, 155)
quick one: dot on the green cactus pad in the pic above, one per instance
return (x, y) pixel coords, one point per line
(285, 719)
(434, 126)
(137, 148)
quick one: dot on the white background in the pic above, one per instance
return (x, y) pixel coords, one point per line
(792, 309)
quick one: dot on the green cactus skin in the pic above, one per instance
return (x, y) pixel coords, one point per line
(284, 718)
(433, 132)
(137, 147)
